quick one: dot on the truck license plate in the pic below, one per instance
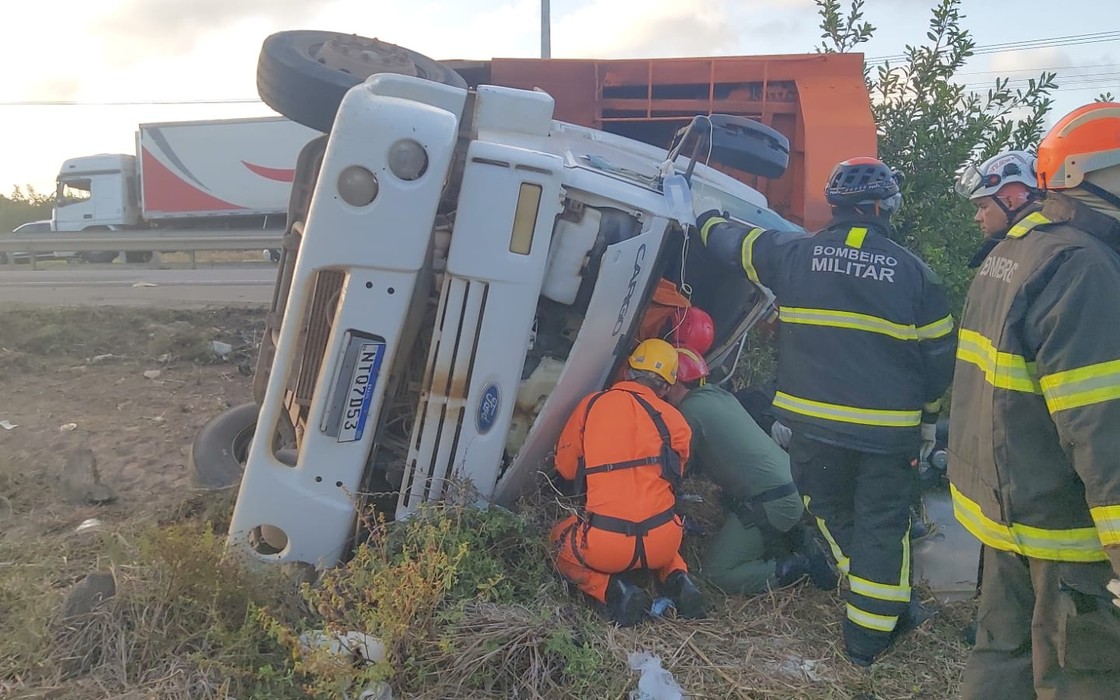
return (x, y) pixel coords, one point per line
(351, 396)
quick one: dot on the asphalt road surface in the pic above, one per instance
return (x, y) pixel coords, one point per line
(138, 286)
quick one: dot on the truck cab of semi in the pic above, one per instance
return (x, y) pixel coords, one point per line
(459, 269)
(96, 192)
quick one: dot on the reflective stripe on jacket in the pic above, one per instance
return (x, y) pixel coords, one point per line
(866, 342)
(1034, 438)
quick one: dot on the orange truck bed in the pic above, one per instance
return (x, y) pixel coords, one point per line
(818, 101)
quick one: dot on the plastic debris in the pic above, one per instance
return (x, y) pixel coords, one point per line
(221, 349)
(655, 683)
(145, 284)
(350, 643)
(67, 427)
(88, 524)
(692, 498)
(152, 373)
(660, 606)
(7, 425)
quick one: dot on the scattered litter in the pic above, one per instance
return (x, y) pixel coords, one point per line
(102, 358)
(356, 644)
(6, 425)
(660, 606)
(152, 373)
(692, 498)
(655, 682)
(157, 419)
(88, 524)
(798, 668)
(221, 349)
(164, 358)
(145, 284)
(67, 427)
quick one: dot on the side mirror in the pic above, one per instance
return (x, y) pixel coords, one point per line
(737, 142)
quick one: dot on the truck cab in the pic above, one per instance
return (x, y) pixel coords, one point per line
(96, 192)
(459, 270)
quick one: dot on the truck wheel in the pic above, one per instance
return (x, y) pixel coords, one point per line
(218, 454)
(100, 256)
(304, 74)
(139, 256)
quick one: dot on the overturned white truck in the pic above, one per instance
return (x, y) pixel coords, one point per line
(459, 270)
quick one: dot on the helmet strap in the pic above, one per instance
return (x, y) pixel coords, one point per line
(1013, 214)
(1100, 192)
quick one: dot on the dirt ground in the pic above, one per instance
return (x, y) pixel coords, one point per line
(77, 382)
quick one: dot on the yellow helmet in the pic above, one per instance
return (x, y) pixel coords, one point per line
(657, 356)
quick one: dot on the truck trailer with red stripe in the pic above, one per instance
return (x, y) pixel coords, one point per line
(214, 174)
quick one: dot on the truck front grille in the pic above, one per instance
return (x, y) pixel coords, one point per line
(442, 409)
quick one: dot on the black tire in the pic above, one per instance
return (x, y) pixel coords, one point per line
(304, 74)
(138, 256)
(218, 453)
(100, 256)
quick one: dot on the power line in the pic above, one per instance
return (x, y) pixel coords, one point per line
(1024, 45)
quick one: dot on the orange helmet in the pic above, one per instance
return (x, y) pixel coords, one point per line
(691, 366)
(695, 329)
(1085, 140)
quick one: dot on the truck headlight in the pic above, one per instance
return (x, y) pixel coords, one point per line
(357, 186)
(407, 159)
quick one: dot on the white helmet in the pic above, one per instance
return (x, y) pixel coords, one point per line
(999, 170)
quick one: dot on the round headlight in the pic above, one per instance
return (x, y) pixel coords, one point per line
(357, 186)
(407, 159)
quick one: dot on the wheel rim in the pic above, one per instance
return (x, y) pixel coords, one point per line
(241, 442)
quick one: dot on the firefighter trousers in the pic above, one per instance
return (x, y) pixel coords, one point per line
(588, 556)
(1047, 630)
(861, 503)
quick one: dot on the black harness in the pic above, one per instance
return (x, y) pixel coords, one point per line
(670, 463)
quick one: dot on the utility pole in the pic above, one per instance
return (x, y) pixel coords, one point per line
(546, 31)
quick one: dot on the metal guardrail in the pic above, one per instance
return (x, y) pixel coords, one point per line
(157, 241)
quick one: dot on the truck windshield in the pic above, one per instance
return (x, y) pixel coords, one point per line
(72, 191)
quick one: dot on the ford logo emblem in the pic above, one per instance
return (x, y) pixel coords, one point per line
(488, 408)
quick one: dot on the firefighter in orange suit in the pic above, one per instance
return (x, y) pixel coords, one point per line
(625, 449)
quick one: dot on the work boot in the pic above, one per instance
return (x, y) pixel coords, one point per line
(627, 604)
(918, 527)
(908, 621)
(820, 570)
(686, 595)
(791, 569)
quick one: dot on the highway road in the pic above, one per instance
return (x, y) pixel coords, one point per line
(137, 285)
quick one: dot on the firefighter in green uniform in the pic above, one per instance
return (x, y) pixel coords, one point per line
(865, 352)
(1034, 440)
(762, 544)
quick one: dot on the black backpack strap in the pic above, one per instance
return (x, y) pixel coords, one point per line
(670, 460)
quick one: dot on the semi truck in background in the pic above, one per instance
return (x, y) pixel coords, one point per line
(215, 174)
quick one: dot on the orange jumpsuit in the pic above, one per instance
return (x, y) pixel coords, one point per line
(619, 430)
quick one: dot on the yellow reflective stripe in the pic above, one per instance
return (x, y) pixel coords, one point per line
(1080, 544)
(937, 329)
(882, 623)
(1001, 369)
(932, 406)
(1028, 222)
(880, 591)
(748, 254)
(707, 227)
(1107, 519)
(847, 414)
(846, 319)
(856, 234)
(842, 562)
(1082, 386)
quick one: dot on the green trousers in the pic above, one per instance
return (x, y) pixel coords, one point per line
(734, 560)
(1047, 630)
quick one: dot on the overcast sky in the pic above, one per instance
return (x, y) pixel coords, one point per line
(98, 51)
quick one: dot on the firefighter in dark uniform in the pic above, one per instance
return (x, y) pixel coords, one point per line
(865, 354)
(1034, 440)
